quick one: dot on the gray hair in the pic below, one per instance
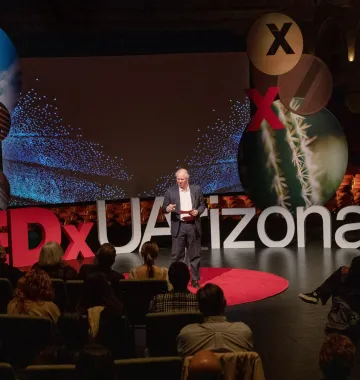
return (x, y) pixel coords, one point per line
(51, 254)
(182, 170)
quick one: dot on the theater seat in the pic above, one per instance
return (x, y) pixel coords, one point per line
(164, 368)
(61, 296)
(162, 330)
(46, 372)
(137, 295)
(7, 372)
(22, 337)
(74, 290)
(127, 369)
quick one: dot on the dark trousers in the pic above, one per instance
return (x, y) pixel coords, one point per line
(330, 286)
(189, 238)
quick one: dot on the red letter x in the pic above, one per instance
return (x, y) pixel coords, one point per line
(264, 110)
(77, 241)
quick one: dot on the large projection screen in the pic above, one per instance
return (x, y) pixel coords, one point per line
(119, 127)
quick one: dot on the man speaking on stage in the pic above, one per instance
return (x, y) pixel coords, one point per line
(186, 204)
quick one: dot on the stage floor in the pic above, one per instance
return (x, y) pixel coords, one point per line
(288, 333)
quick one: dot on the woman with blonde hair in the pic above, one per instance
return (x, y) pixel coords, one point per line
(33, 296)
(51, 261)
(149, 253)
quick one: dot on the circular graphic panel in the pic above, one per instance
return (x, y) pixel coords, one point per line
(300, 165)
(10, 73)
(310, 81)
(275, 44)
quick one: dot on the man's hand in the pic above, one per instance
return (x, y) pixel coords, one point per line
(193, 212)
(171, 208)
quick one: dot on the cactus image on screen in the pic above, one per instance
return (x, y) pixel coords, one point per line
(300, 165)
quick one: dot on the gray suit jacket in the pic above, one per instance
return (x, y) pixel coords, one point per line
(172, 196)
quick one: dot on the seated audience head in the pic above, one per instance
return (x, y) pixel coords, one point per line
(106, 255)
(179, 275)
(51, 254)
(204, 365)
(34, 286)
(149, 253)
(336, 357)
(95, 363)
(2, 254)
(211, 300)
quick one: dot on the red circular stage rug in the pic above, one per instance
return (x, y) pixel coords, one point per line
(242, 285)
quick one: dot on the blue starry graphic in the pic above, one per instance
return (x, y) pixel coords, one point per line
(48, 161)
(213, 166)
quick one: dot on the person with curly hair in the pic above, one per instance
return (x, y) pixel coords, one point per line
(34, 296)
(336, 357)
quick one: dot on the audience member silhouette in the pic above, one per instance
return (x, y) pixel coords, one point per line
(204, 365)
(108, 325)
(149, 253)
(104, 260)
(34, 295)
(179, 298)
(72, 336)
(216, 333)
(51, 261)
(336, 357)
(344, 288)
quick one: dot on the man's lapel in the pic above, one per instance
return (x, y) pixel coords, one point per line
(177, 198)
(192, 194)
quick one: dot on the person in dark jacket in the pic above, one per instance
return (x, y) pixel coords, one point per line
(104, 260)
(343, 286)
(107, 322)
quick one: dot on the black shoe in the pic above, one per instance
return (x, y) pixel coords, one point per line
(312, 297)
(195, 284)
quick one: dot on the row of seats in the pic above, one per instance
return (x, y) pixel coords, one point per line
(132, 369)
(235, 366)
(32, 334)
(136, 296)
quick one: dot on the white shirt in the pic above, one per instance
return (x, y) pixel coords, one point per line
(185, 201)
(216, 333)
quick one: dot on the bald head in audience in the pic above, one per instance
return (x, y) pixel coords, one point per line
(204, 365)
